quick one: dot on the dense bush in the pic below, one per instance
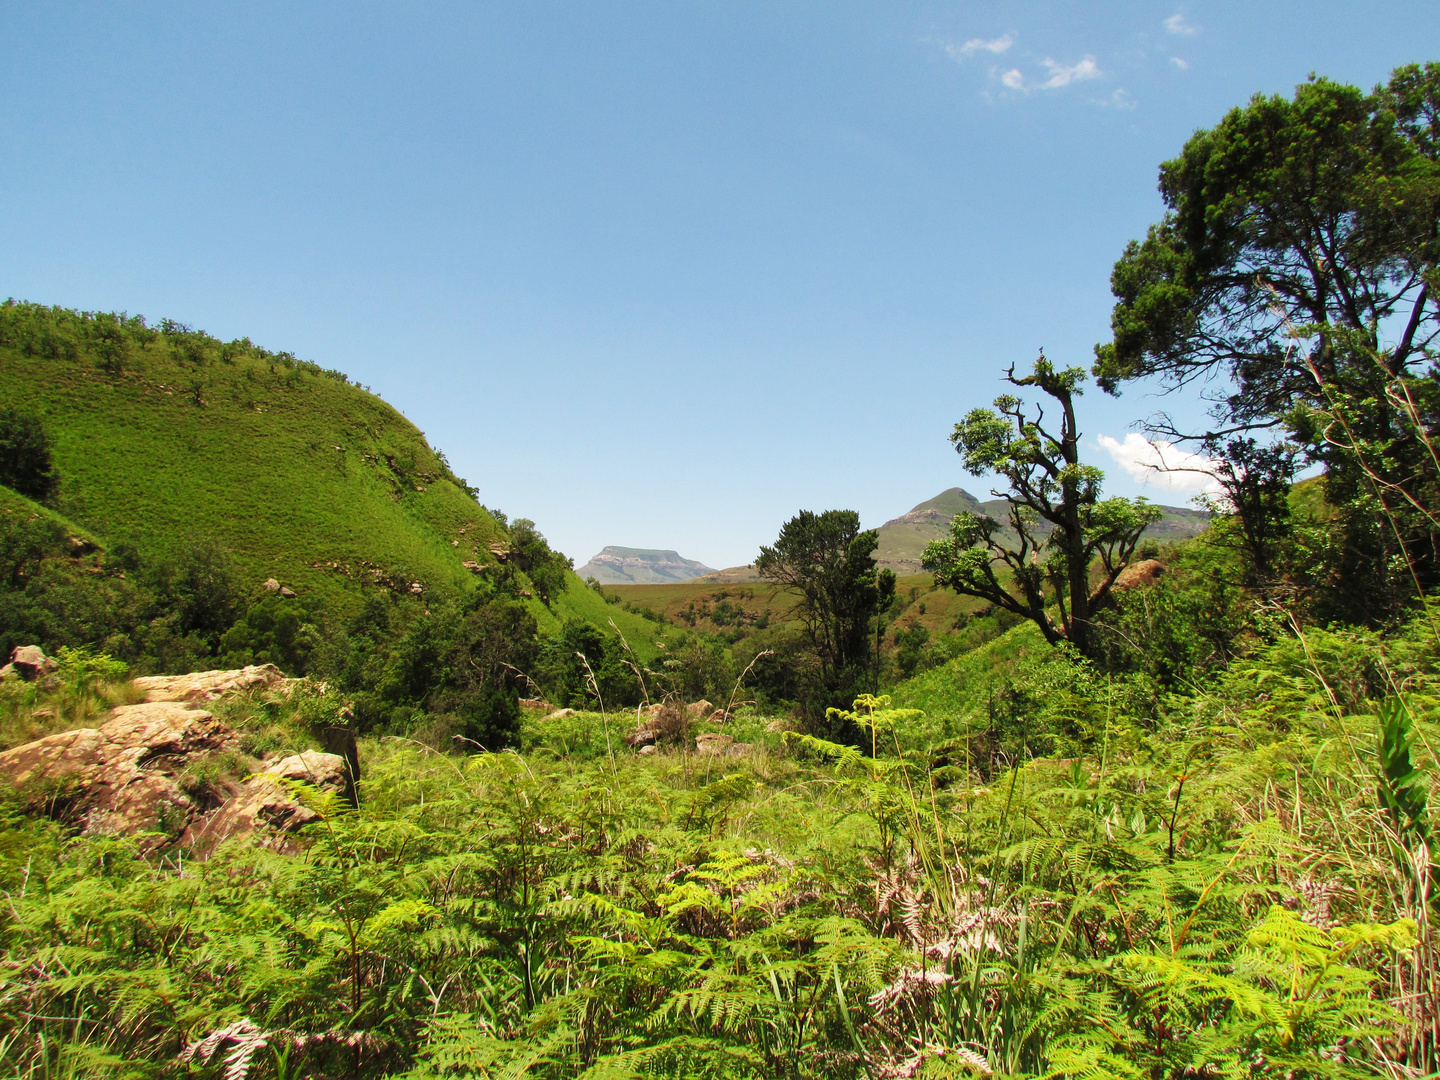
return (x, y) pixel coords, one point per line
(25, 459)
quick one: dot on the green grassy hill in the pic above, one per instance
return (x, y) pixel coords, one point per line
(161, 436)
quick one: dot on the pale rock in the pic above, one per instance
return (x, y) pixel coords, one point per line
(119, 778)
(31, 662)
(1144, 572)
(713, 745)
(266, 808)
(203, 686)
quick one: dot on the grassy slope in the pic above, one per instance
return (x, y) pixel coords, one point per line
(255, 465)
(12, 503)
(302, 477)
(953, 690)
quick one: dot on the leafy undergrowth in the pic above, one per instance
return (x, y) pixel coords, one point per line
(1241, 890)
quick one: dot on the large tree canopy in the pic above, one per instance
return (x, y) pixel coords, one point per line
(1316, 214)
(1296, 267)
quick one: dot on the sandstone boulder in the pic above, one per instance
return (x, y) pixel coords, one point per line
(641, 737)
(203, 686)
(650, 749)
(1145, 572)
(118, 778)
(560, 713)
(699, 710)
(268, 809)
(31, 663)
(713, 745)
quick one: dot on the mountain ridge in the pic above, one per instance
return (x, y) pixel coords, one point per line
(617, 565)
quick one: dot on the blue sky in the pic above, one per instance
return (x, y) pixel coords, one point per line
(657, 275)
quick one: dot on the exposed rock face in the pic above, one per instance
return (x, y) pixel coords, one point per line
(265, 808)
(699, 710)
(203, 686)
(902, 540)
(119, 778)
(641, 566)
(122, 777)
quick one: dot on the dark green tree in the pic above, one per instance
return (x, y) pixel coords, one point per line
(1060, 526)
(1296, 265)
(545, 567)
(828, 561)
(26, 465)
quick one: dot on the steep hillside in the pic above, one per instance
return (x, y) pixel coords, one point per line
(641, 566)
(165, 435)
(161, 436)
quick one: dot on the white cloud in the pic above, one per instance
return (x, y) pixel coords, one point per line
(1183, 65)
(1162, 464)
(1176, 24)
(1059, 75)
(974, 45)
(1064, 75)
(1120, 99)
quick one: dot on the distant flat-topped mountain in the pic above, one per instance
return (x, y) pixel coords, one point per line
(903, 539)
(641, 566)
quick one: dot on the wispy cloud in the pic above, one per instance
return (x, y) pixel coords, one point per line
(1064, 75)
(1057, 75)
(974, 45)
(1120, 99)
(1183, 65)
(1162, 464)
(1176, 24)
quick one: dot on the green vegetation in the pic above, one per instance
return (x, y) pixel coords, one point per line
(1055, 506)
(1169, 820)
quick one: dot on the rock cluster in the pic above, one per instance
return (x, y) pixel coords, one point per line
(126, 776)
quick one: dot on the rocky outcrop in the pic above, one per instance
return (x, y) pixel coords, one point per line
(120, 777)
(30, 662)
(641, 566)
(206, 686)
(125, 777)
(713, 745)
(268, 809)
